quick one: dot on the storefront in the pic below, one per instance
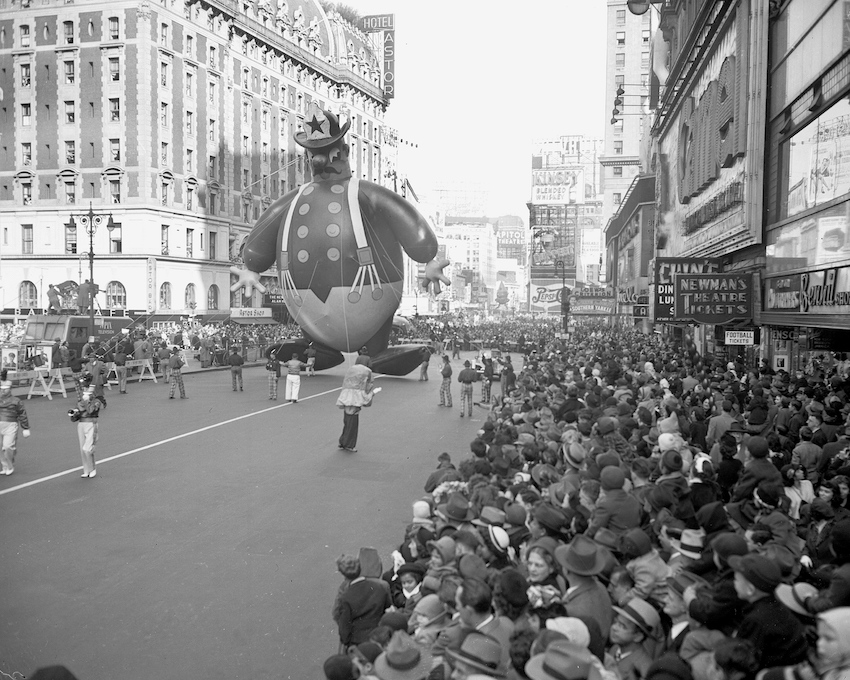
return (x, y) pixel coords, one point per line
(806, 303)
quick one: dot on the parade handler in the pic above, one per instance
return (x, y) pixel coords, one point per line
(338, 244)
(13, 416)
(357, 392)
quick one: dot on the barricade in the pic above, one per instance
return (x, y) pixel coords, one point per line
(39, 385)
(146, 364)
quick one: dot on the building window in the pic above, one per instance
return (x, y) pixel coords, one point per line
(212, 297)
(26, 239)
(190, 123)
(189, 297)
(621, 37)
(115, 149)
(618, 146)
(212, 57)
(190, 160)
(190, 45)
(70, 112)
(212, 130)
(211, 167)
(190, 197)
(190, 84)
(163, 114)
(26, 75)
(644, 35)
(163, 153)
(164, 192)
(621, 17)
(70, 72)
(115, 190)
(618, 198)
(28, 294)
(246, 112)
(163, 74)
(246, 180)
(265, 90)
(70, 152)
(165, 296)
(265, 151)
(190, 241)
(644, 59)
(265, 119)
(70, 193)
(25, 36)
(114, 69)
(113, 28)
(70, 240)
(115, 239)
(213, 92)
(26, 114)
(68, 31)
(164, 239)
(26, 153)
(116, 295)
(620, 60)
(212, 246)
(114, 110)
(163, 34)
(244, 145)
(26, 197)
(618, 171)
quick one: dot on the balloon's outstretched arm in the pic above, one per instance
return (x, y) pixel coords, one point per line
(434, 275)
(408, 225)
(247, 279)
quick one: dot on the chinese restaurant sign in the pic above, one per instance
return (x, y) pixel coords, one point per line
(666, 269)
(713, 298)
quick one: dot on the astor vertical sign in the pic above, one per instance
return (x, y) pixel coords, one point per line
(386, 23)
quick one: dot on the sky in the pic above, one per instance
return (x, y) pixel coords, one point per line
(477, 80)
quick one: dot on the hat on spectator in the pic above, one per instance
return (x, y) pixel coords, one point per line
(635, 542)
(768, 493)
(729, 544)
(403, 660)
(691, 543)
(607, 538)
(481, 652)
(366, 651)
(671, 459)
(575, 630)
(421, 510)
(338, 667)
(574, 455)
(544, 474)
(431, 607)
(581, 556)
(550, 517)
(607, 459)
(471, 565)
(795, 596)
(445, 545)
(415, 568)
(669, 667)
(641, 613)
(562, 660)
(394, 620)
(498, 539)
(762, 573)
(606, 425)
(456, 509)
(490, 515)
(758, 448)
(612, 478)
(515, 514)
(513, 586)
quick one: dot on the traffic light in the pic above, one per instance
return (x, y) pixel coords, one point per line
(618, 102)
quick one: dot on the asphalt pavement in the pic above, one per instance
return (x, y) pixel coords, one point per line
(206, 545)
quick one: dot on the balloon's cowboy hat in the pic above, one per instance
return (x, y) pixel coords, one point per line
(321, 128)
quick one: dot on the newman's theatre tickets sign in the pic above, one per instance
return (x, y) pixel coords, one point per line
(713, 298)
(666, 270)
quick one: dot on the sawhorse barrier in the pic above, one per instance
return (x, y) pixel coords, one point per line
(145, 374)
(43, 382)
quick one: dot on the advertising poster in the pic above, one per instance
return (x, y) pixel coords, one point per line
(713, 298)
(545, 297)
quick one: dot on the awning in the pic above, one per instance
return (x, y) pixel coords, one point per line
(214, 318)
(253, 321)
(641, 190)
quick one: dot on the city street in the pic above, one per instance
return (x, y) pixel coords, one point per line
(206, 545)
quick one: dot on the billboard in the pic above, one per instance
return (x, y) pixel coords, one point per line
(545, 296)
(563, 185)
(386, 23)
(713, 298)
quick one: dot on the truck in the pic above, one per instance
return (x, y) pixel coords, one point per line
(41, 331)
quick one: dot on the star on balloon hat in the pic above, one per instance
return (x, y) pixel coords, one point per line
(321, 128)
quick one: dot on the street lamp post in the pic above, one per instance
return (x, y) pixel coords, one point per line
(90, 221)
(565, 293)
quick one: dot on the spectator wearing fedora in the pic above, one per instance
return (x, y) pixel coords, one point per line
(634, 624)
(563, 660)
(581, 562)
(466, 378)
(473, 602)
(758, 469)
(403, 659)
(771, 627)
(615, 510)
(676, 608)
(479, 656)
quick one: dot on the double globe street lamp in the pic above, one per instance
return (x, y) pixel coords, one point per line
(90, 221)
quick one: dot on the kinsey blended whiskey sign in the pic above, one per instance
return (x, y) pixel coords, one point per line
(713, 298)
(666, 269)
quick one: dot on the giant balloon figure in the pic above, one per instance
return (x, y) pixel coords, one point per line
(338, 244)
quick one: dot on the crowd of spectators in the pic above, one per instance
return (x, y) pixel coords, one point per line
(628, 511)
